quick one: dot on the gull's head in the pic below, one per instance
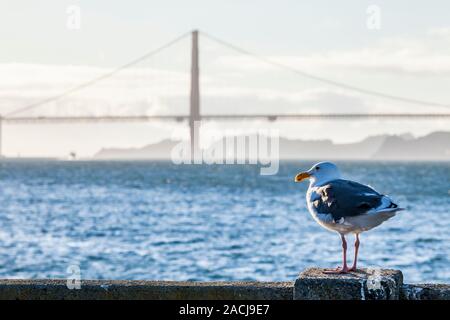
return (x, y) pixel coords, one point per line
(319, 173)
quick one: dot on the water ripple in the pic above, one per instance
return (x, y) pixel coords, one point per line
(154, 220)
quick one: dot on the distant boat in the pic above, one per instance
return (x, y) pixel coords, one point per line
(72, 155)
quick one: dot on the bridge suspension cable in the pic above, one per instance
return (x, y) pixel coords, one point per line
(97, 79)
(23, 119)
(324, 80)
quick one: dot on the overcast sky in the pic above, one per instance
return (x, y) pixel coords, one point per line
(44, 52)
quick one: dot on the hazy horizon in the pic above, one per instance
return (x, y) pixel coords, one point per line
(434, 146)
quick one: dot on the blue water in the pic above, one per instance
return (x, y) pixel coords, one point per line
(155, 220)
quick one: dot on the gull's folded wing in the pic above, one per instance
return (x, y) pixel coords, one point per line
(345, 198)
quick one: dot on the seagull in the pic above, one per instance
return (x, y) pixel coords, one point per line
(344, 206)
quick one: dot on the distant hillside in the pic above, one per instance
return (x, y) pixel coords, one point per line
(326, 149)
(160, 150)
(434, 146)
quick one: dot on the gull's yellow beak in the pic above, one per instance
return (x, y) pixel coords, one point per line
(302, 176)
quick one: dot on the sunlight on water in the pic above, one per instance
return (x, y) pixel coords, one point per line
(147, 220)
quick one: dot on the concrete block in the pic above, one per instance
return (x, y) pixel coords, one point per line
(425, 292)
(364, 284)
(136, 290)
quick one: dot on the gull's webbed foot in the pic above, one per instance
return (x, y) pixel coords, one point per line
(338, 270)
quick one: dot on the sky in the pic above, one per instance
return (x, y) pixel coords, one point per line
(395, 47)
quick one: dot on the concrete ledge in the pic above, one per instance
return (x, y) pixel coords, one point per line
(138, 290)
(425, 292)
(312, 284)
(364, 284)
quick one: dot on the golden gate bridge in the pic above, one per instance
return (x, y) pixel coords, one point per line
(17, 116)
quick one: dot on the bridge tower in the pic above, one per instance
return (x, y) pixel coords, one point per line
(194, 115)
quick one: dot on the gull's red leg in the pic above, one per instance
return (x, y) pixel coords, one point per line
(353, 268)
(344, 268)
(344, 255)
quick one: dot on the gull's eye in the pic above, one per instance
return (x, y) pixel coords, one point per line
(317, 168)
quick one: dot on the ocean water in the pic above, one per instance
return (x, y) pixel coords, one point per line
(159, 221)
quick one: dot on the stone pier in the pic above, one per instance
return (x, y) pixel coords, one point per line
(311, 284)
(364, 284)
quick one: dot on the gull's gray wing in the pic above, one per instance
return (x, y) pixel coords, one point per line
(345, 198)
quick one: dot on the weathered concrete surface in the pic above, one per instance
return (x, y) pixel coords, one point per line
(311, 284)
(425, 292)
(365, 284)
(138, 290)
